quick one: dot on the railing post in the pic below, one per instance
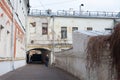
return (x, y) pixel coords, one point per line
(112, 14)
(57, 13)
(97, 13)
(89, 13)
(40, 12)
(105, 13)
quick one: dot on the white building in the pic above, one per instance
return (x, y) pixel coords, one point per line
(55, 29)
(13, 17)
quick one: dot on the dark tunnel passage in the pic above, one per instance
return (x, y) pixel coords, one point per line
(37, 56)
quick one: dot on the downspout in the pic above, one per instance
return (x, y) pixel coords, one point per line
(53, 41)
(26, 35)
(12, 37)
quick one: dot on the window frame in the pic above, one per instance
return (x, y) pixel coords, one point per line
(89, 28)
(44, 28)
(63, 31)
(74, 28)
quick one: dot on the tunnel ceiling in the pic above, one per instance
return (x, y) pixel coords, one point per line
(41, 49)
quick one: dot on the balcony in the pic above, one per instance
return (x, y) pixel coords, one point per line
(65, 13)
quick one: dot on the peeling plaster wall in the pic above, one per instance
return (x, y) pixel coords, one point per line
(54, 29)
(12, 35)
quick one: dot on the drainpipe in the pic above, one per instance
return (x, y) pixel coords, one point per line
(53, 41)
(12, 38)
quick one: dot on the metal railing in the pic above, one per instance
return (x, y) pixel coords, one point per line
(36, 12)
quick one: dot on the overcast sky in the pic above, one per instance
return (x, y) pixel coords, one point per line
(89, 5)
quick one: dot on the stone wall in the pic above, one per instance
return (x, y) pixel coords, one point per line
(75, 60)
(73, 63)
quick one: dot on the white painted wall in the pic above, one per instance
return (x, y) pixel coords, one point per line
(5, 39)
(19, 63)
(11, 44)
(55, 24)
(35, 33)
(97, 24)
(7, 66)
(20, 8)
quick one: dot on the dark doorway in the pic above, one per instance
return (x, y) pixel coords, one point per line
(37, 56)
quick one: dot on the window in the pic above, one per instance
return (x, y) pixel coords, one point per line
(89, 28)
(1, 27)
(63, 32)
(44, 28)
(108, 30)
(74, 28)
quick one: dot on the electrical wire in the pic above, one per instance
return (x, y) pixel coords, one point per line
(42, 5)
(63, 2)
(55, 3)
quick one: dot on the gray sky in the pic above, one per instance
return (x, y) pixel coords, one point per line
(89, 5)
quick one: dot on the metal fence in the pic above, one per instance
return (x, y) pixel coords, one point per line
(36, 12)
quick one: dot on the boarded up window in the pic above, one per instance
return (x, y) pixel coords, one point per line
(44, 28)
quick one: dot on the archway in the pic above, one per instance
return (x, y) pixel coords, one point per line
(37, 55)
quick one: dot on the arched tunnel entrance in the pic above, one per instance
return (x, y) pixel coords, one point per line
(37, 55)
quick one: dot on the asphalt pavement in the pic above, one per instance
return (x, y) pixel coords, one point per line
(38, 72)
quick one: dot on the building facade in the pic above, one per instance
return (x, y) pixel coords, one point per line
(53, 31)
(13, 18)
(48, 31)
